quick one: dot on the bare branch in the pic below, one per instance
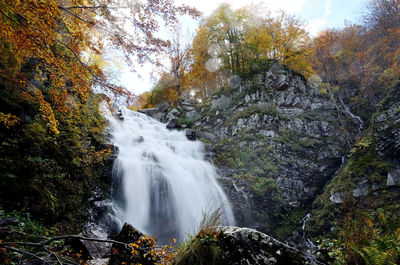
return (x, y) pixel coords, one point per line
(78, 17)
(23, 252)
(85, 7)
(46, 242)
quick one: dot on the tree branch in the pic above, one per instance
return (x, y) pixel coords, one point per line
(45, 242)
(23, 252)
(78, 17)
(85, 7)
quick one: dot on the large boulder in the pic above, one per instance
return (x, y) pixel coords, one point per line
(124, 254)
(240, 246)
(89, 248)
(191, 134)
(248, 246)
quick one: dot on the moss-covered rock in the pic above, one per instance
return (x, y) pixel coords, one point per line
(368, 179)
(279, 141)
(236, 246)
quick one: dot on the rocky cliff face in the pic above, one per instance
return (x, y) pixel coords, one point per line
(276, 140)
(370, 179)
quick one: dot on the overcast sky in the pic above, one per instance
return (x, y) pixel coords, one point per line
(317, 14)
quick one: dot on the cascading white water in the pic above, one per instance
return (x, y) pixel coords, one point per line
(167, 184)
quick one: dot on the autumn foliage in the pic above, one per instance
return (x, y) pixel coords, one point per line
(51, 62)
(361, 60)
(229, 43)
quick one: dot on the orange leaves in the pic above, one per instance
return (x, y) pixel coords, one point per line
(145, 248)
(29, 26)
(8, 120)
(242, 37)
(47, 113)
(62, 36)
(211, 235)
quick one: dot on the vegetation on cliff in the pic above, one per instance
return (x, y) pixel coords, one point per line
(277, 101)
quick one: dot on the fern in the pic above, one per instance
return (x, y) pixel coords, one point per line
(373, 256)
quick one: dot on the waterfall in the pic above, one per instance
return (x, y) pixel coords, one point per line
(166, 184)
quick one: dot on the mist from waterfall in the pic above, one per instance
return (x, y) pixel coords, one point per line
(163, 183)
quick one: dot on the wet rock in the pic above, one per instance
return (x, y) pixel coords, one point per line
(119, 115)
(172, 124)
(149, 112)
(9, 221)
(164, 107)
(98, 261)
(206, 135)
(139, 140)
(361, 188)
(172, 119)
(337, 197)
(247, 246)
(93, 249)
(121, 254)
(187, 106)
(393, 177)
(173, 114)
(108, 169)
(191, 134)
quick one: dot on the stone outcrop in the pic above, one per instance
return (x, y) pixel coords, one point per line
(276, 140)
(239, 246)
(277, 127)
(371, 176)
(247, 246)
(121, 254)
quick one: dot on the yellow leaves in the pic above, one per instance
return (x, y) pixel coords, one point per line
(8, 120)
(134, 245)
(146, 249)
(47, 113)
(369, 222)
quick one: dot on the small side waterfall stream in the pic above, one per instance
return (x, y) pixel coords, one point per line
(166, 184)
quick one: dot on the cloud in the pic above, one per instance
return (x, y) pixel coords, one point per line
(290, 6)
(207, 6)
(328, 7)
(316, 25)
(141, 84)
